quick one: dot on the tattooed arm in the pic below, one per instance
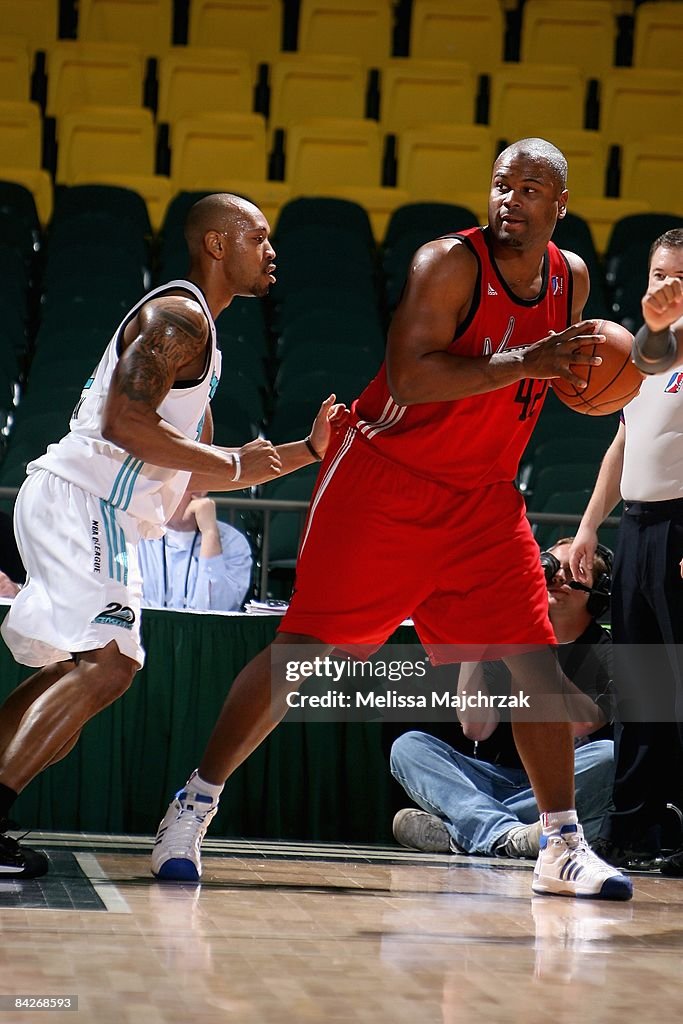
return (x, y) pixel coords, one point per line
(166, 342)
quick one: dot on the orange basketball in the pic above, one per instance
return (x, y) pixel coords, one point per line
(612, 384)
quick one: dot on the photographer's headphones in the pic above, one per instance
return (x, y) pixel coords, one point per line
(600, 592)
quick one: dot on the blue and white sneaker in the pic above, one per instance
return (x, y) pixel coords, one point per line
(176, 856)
(567, 866)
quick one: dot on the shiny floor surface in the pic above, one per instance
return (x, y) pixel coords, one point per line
(301, 933)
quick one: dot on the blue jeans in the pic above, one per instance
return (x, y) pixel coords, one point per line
(480, 802)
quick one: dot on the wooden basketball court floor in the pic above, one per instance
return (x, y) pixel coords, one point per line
(305, 933)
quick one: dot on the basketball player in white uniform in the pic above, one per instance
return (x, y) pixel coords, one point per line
(141, 429)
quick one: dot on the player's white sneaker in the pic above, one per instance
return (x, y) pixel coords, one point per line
(567, 866)
(177, 848)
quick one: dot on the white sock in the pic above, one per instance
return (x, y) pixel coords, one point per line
(198, 784)
(552, 821)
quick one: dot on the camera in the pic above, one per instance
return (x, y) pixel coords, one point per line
(550, 565)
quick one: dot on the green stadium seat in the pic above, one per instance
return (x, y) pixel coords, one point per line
(567, 502)
(82, 343)
(19, 224)
(233, 426)
(244, 319)
(238, 389)
(286, 527)
(75, 267)
(411, 227)
(564, 450)
(363, 363)
(337, 303)
(319, 383)
(241, 355)
(102, 201)
(572, 476)
(353, 331)
(323, 212)
(573, 233)
(293, 420)
(626, 263)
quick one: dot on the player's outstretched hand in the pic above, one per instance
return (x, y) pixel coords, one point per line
(331, 417)
(582, 553)
(662, 304)
(260, 462)
(555, 355)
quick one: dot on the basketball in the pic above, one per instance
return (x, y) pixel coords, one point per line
(611, 385)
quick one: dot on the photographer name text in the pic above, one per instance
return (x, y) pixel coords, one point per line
(392, 699)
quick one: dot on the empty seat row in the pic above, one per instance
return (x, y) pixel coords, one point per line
(584, 29)
(524, 97)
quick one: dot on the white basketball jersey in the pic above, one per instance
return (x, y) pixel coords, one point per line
(147, 493)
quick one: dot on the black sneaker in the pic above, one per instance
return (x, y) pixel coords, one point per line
(626, 858)
(19, 861)
(672, 866)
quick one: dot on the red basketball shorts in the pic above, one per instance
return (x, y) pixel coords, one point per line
(382, 544)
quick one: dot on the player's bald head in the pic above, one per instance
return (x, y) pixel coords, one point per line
(537, 151)
(221, 212)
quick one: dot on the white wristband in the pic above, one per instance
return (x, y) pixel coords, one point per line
(238, 466)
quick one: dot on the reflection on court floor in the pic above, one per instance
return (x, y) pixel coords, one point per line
(299, 933)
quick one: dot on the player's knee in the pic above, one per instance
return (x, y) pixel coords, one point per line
(115, 672)
(122, 676)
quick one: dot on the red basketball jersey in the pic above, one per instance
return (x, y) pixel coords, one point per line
(476, 441)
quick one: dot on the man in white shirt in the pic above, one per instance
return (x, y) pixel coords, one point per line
(643, 466)
(200, 563)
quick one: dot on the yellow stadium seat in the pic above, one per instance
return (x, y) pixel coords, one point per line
(225, 153)
(632, 100)
(469, 30)
(415, 92)
(193, 80)
(211, 143)
(581, 33)
(305, 87)
(252, 25)
(359, 28)
(93, 75)
(658, 35)
(325, 152)
(21, 134)
(651, 170)
(532, 99)
(36, 21)
(447, 163)
(15, 69)
(101, 140)
(342, 158)
(38, 182)
(586, 154)
(602, 215)
(147, 24)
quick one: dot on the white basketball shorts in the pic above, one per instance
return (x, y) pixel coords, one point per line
(83, 586)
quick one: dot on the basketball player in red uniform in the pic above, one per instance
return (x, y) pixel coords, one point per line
(416, 514)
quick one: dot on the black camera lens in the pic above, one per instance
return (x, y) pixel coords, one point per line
(551, 566)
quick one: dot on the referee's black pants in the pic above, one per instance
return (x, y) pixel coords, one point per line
(647, 628)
